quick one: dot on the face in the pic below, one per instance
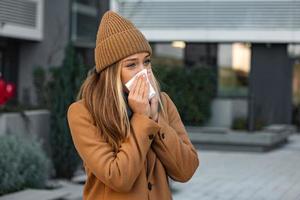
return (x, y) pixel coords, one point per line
(133, 64)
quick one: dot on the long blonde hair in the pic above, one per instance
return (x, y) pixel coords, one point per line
(102, 94)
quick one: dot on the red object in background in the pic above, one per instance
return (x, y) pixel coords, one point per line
(10, 90)
(7, 91)
(2, 91)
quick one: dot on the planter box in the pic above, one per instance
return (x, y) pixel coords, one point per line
(269, 138)
(64, 189)
(35, 194)
(36, 125)
(224, 111)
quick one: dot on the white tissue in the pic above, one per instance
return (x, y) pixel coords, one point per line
(144, 71)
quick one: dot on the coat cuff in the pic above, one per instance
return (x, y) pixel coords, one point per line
(143, 124)
(163, 133)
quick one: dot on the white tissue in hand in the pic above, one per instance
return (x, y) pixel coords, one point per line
(151, 89)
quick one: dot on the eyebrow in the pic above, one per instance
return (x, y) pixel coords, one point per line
(131, 59)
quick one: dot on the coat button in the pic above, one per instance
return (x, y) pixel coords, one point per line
(151, 136)
(149, 186)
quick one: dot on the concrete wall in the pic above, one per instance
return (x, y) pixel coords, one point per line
(225, 110)
(48, 52)
(36, 124)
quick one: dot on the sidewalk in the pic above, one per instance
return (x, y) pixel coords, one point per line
(224, 175)
(227, 175)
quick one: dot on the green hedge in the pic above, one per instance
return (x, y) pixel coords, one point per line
(23, 164)
(191, 89)
(241, 123)
(56, 93)
(63, 87)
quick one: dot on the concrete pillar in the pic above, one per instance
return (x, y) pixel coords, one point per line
(270, 88)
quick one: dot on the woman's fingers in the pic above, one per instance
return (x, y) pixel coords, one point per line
(141, 88)
(146, 90)
(136, 85)
(138, 97)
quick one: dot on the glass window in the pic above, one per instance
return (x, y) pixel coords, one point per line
(168, 54)
(294, 54)
(88, 2)
(84, 23)
(296, 83)
(233, 69)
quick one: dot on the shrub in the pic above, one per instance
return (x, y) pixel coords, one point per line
(22, 164)
(63, 87)
(259, 123)
(56, 89)
(41, 90)
(191, 89)
(239, 123)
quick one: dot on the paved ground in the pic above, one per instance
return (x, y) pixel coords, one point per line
(273, 175)
(228, 175)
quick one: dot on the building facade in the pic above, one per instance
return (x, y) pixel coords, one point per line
(247, 42)
(35, 33)
(252, 45)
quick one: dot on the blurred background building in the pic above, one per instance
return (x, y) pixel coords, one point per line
(35, 33)
(251, 45)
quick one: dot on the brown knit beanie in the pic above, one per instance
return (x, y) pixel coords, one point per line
(117, 38)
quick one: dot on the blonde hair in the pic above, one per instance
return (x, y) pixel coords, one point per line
(102, 94)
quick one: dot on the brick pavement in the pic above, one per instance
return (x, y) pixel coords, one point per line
(273, 175)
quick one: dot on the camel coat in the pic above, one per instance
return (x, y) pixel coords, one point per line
(140, 170)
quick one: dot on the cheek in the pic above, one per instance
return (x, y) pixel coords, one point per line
(126, 75)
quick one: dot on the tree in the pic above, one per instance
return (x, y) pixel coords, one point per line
(64, 85)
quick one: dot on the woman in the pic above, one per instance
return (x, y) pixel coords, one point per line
(129, 145)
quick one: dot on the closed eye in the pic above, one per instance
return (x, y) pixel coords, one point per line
(131, 65)
(147, 61)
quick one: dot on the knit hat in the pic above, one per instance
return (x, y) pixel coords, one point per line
(117, 38)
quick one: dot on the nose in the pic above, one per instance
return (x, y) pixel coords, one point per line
(141, 67)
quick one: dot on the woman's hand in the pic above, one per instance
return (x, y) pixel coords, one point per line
(154, 100)
(138, 96)
(154, 108)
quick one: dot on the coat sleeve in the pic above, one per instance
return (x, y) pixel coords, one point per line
(173, 146)
(117, 170)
